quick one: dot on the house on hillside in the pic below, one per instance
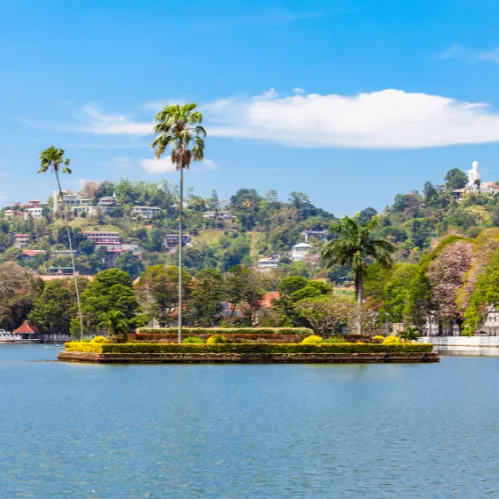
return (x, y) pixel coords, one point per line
(33, 210)
(75, 204)
(172, 240)
(29, 255)
(106, 204)
(108, 239)
(145, 211)
(268, 263)
(21, 240)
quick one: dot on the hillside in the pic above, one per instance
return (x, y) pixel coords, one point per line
(142, 220)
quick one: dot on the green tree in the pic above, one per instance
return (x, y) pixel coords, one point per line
(157, 290)
(327, 314)
(130, 264)
(179, 129)
(355, 245)
(204, 305)
(111, 289)
(53, 159)
(455, 179)
(53, 308)
(115, 323)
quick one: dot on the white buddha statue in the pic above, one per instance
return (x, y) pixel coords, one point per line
(473, 175)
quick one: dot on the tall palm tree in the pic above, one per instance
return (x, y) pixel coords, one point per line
(53, 159)
(356, 245)
(179, 131)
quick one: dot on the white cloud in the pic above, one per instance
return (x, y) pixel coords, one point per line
(298, 90)
(164, 165)
(112, 124)
(466, 54)
(389, 118)
(158, 166)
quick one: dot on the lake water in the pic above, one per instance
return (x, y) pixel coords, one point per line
(248, 431)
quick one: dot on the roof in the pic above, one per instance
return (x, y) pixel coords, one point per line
(33, 252)
(302, 245)
(46, 278)
(146, 207)
(27, 327)
(21, 235)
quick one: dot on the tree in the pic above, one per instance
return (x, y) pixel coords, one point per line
(131, 264)
(116, 324)
(18, 289)
(179, 129)
(455, 179)
(204, 306)
(53, 159)
(157, 290)
(326, 314)
(355, 245)
(111, 289)
(53, 308)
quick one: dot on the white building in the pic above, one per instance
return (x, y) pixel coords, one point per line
(106, 204)
(221, 215)
(21, 240)
(110, 240)
(268, 263)
(74, 203)
(145, 211)
(300, 251)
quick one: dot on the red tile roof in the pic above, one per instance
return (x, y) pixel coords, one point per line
(33, 252)
(27, 328)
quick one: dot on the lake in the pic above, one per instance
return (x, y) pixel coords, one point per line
(246, 431)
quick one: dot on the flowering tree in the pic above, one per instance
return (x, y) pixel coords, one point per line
(445, 274)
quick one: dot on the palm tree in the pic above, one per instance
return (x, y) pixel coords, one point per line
(116, 323)
(53, 159)
(355, 245)
(179, 129)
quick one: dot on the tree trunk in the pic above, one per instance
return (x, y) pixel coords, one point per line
(64, 213)
(360, 298)
(180, 254)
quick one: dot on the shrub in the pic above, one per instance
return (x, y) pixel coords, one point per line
(303, 331)
(392, 340)
(99, 339)
(379, 337)
(313, 339)
(192, 340)
(216, 339)
(246, 348)
(336, 339)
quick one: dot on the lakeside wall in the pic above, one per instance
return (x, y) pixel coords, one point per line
(247, 358)
(464, 345)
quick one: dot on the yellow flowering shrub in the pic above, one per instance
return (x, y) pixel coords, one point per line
(99, 339)
(313, 339)
(392, 340)
(216, 339)
(378, 337)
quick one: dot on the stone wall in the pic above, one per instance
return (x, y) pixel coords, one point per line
(237, 358)
(464, 345)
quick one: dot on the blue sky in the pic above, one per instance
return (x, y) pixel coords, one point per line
(351, 102)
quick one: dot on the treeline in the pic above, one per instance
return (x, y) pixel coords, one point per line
(239, 297)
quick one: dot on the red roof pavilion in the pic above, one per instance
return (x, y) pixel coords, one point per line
(27, 327)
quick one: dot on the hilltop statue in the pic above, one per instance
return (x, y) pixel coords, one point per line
(473, 175)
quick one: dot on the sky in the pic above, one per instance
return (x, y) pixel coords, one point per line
(350, 102)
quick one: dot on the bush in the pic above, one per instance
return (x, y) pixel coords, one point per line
(193, 340)
(303, 331)
(378, 337)
(392, 340)
(336, 339)
(99, 339)
(216, 339)
(246, 348)
(313, 339)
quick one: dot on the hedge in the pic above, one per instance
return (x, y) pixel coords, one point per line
(189, 331)
(75, 346)
(270, 338)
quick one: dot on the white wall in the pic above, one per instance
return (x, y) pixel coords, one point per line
(464, 345)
